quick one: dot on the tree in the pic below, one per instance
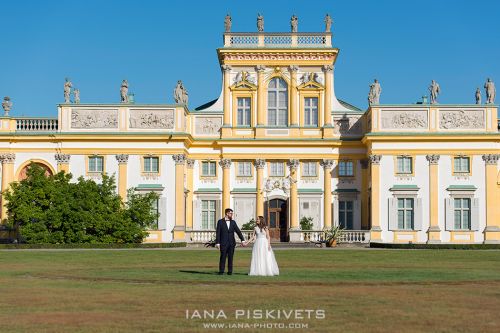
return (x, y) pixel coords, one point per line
(52, 209)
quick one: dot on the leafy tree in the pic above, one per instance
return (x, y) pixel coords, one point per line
(52, 209)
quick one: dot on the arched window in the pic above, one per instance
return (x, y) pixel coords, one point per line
(277, 102)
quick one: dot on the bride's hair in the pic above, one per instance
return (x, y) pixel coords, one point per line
(262, 222)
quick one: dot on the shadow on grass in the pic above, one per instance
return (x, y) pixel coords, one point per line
(208, 273)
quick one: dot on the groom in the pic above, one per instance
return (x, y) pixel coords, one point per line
(224, 240)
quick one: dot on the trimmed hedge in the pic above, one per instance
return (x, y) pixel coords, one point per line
(94, 246)
(436, 246)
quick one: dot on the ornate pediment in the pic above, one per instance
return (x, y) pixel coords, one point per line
(243, 81)
(310, 81)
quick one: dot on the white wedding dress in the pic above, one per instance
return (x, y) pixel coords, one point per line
(263, 260)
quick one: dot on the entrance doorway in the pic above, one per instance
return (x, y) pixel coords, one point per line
(277, 219)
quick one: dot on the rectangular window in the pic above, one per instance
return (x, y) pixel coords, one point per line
(208, 214)
(151, 164)
(244, 111)
(96, 163)
(244, 169)
(346, 214)
(154, 210)
(462, 213)
(309, 169)
(406, 213)
(346, 169)
(404, 165)
(277, 169)
(311, 111)
(208, 168)
(461, 164)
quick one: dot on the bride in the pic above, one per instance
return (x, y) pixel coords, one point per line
(263, 260)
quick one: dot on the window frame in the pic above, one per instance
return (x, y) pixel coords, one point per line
(270, 168)
(143, 165)
(345, 212)
(405, 209)
(412, 165)
(277, 108)
(460, 172)
(238, 169)
(208, 210)
(462, 210)
(305, 110)
(209, 163)
(95, 172)
(308, 176)
(353, 169)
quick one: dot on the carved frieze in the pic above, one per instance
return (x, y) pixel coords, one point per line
(93, 118)
(461, 119)
(152, 119)
(208, 125)
(410, 119)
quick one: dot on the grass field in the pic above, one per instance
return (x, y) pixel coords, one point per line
(150, 290)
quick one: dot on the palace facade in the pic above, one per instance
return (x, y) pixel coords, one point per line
(278, 142)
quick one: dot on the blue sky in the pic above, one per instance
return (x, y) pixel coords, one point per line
(152, 44)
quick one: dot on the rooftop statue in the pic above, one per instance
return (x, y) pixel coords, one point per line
(180, 93)
(76, 93)
(227, 23)
(374, 94)
(478, 96)
(260, 23)
(294, 22)
(328, 23)
(124, 92)
(435, 91)
(67, 90)
(6, 105)
(491, 91)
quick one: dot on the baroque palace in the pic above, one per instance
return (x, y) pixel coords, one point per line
(278, 142)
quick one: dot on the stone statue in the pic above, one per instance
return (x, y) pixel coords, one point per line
(328, 23)
(435, 91)
(294, 22)
(6, 105)
(491, 91)
(67, 90)
(260, 23)
(124, 92)
(374, 94)
(478, 96)
(76, 93)
(180, 93)
(227, 23)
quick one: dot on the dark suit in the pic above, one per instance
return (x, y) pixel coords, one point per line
(225, 237)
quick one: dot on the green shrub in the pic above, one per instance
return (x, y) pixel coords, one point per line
(306, 223)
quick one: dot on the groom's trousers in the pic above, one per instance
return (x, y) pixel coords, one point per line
(226, 251)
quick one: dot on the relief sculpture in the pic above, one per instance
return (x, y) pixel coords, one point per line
(94, 118)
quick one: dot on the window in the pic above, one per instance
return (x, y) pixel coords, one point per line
(208, 214)
(208, 169)
(96, 164)
(311, 111)
(243, 110)
(244, 169)
(462, 210)
(151, 164)
(346, 214)
(404, 165)
(346, 169)
(277, 102)
(309, 169)
(154, 210)
(405, 213)
(461, 164)
(277, 169)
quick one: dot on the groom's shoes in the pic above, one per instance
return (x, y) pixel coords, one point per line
(229, 273)
(220, 273)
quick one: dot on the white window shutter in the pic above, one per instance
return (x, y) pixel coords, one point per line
(393, 213)
(450, 217)
(197, 214)
(162, 209)
(335, 215)
(474, 223)
(418, 214)
(219, 213)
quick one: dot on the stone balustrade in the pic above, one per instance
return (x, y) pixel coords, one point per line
(37, 124)
(297, 39)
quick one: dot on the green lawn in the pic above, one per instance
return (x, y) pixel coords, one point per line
(150, 290)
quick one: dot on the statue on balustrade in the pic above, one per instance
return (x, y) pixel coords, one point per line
(374, 93)
(124, 92)
(478, 96)
(227, 23)
(6, 105)
(435, 90)
(491, 91)
(294, 22)
(328, 23)
(76, 93)
(180, 94)
(67, 90)
(260, 23)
